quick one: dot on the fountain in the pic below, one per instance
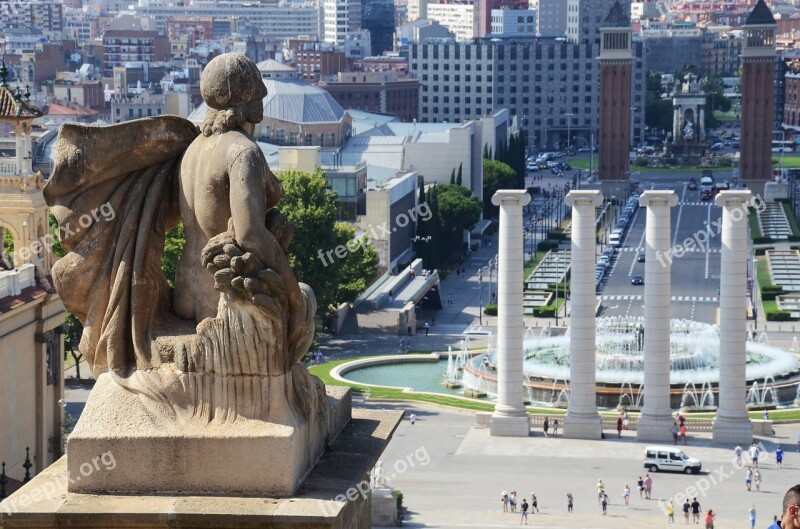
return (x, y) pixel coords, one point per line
(632, 399)
(763, 397)
(697, 400)
(797, 396)
(794, 348)
(451, 379)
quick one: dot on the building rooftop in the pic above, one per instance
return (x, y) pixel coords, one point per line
(14, 104)
(617, 17)
(760, 15)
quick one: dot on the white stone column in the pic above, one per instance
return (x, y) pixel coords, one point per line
(582, 420)
(656, 419)
(510, 418)
(732, 424)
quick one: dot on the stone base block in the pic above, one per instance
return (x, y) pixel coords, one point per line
(335, 494)
(732, 431)
(384, 508)
(226, 454)
(510, 426)
(655, 429)
(583, 426)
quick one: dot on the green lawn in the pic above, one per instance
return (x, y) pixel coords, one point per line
(726, 116)
(789, 162)
(755, 229)
(762, 271)
(790, 216)
(532, 264)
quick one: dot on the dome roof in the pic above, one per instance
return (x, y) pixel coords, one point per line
(294, 101)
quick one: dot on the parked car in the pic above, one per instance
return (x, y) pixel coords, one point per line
(706, 194)
(670, 458)
(637, 280)
(692, 185)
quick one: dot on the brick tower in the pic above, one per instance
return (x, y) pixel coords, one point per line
(615, 97)
(758, 80)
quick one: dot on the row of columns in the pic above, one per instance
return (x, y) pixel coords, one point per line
(732, 423)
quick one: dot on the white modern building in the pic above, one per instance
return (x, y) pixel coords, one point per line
(514, 22)
(455, 17)
(340, 17)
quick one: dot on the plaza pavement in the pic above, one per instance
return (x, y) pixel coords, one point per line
(467, 469)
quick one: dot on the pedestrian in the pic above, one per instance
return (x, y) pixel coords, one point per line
(600, 491)
(695, 511)
(619, 426)
(766, 415)
(391, 297)
(555, 427)
(427, 328)
(546, 426)
(504, 500)
(748, 478)
(512, 501)
(626, 495)
(686, 508)
(779, 457)
(413, 419)
(754, 454)
(640, 486)
(751, 513)
(738, 453)
(569, 502)
(534, 503)
(449, 299)
(625, 420)
(670, 512)
(710, 519)
(648, 486)
(604, 503)
(791, 510)
(523, 509)
(757, 480)
(683, 433)
(674, 431)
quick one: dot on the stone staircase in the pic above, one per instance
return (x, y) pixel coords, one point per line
(773, 222)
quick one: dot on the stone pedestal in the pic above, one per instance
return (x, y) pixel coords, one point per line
(156, 452)
(510, 418)
(732, 424)
(384, 507)
(656, 420)
(582, 420)
(335, 495)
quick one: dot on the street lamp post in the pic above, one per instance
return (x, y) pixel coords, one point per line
(569, 115)
(480, 296)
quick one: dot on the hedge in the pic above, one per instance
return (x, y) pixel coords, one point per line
(490, 310)
(762, 240)
(548, 311)
(546, 245)
(763, 251)
(778, 315)
(558, 235)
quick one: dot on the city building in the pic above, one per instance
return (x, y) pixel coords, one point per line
(584, 18)
(317, 60)
(123, 46)
(758, 97)
(385, 92)
(455, 17)
(340, 17)
(422, 31)
(31, 313)
(671, 49)
(722, 53)
(551, 18)
(83, 92)
(512, 23)
(482, 13)
(791, 108)
(47, 17)
(135, 106)
(378, 17)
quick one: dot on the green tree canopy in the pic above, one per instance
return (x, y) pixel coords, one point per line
(458, 209)
(358, 267)
(496, 175)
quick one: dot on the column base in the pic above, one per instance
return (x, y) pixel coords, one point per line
(655, 428)
(730, 431)
(588, 426)
(510, 425)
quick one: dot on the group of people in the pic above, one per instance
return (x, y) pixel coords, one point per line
(509, 502)
(546, 427)
(678, 430)
(622, 421)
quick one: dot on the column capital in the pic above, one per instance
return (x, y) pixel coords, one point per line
(653, 197)
(733, 198)
(586, 197)
(511, 196)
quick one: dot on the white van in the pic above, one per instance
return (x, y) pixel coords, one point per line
(614, 239)
(670, 458)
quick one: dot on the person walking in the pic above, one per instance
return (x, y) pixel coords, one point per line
(670, 512)
(738, 453)
(625, 420)
(779, 457)
(648, 486)
(640, 486)
(569, 502)
(626, 495)
(751, 513)
(619, 426)
(683, 433)
(748, 478)
(601, 489)
(604, 503)
(427, 328)
(754, 455)
(555, 427)
(695, 511)
(674, 431)
(449, 299)
(512, 501)
(534, 503)
(504, 500)
(413, 419)
(523, 509)
(710, 519)
(757, 480)
(686, 508)
(546, 426)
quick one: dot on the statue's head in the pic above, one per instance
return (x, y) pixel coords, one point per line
(232, 87)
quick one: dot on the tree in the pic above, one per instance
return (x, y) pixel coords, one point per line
(458, 211)
(72, 340)
(496, 175)
(715, 99)
(310, 205)
(453, 176)
(460, 173)
(174, 241)
(357, 268)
